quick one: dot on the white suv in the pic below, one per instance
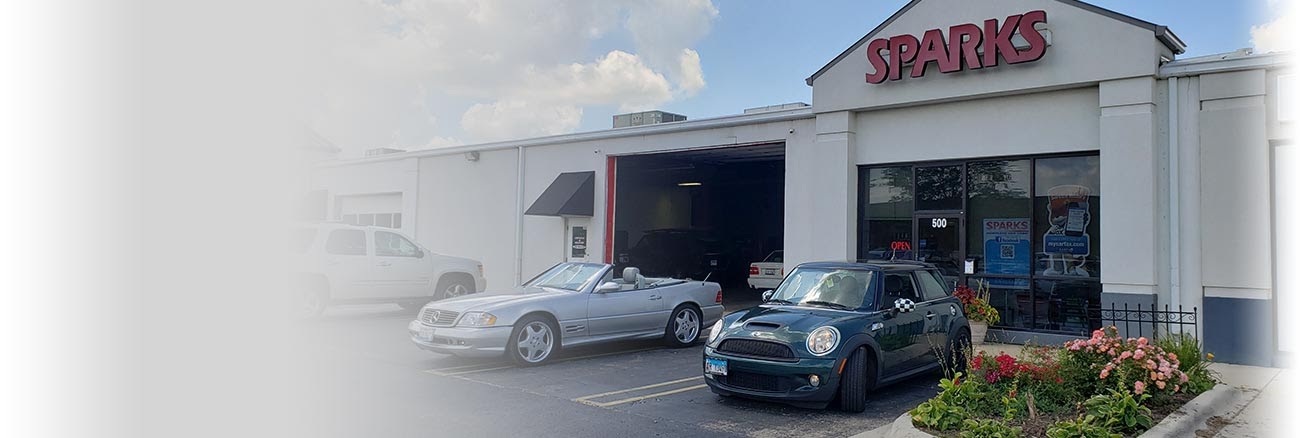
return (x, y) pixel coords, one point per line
(346, 264)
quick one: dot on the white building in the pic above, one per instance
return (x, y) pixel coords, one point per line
(1074, 167)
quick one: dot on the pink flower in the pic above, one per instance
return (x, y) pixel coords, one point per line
(1173, 356)
(1138, 387)
(1182, 378)
(1143, 341)
(1104, 373)
(1125, 355)
(1160, 384)
(1139, 354)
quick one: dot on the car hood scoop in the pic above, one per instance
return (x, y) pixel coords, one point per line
(783, 319)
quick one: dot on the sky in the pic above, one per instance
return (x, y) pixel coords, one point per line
(418, 74)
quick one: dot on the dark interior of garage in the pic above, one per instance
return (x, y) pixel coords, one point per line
(702, 212)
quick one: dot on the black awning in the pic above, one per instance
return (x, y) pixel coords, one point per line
(571, 194)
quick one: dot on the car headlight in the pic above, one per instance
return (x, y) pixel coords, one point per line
(478, 319)
(823, 340)
(715, 331)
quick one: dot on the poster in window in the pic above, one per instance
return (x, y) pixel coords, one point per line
(1007, 249)
(578, 248)
(1066, 241)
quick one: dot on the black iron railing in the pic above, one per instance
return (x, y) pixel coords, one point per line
(1139, 320)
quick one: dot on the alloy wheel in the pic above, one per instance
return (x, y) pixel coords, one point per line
(455, 290)
(535, 342)
(686, 326)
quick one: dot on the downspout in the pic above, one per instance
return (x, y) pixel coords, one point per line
(1175, 202)
(519, 215)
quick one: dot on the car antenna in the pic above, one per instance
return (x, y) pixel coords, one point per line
(706, 277)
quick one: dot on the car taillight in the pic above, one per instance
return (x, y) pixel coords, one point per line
(718, 300)
(753, 270)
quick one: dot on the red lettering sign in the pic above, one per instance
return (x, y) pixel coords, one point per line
(900, 245)
(960, 48)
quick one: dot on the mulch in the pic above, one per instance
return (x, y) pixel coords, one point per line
(1037, 427)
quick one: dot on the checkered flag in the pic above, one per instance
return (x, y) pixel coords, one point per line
(904, 305)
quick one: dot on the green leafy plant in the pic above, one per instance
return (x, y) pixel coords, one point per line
(988, 429)
(1200, 377)
(1120, 411)
(947, 410)
(1083, 427)
(938, 415)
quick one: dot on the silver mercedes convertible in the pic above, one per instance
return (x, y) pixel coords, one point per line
(569, 304)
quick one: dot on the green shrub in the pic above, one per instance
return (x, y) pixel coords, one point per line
(1120, 411)
(947, 410)
(1200, 377)
(988, 429)
(1084, 427)
(938, 415)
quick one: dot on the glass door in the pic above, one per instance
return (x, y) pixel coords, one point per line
(938, 241)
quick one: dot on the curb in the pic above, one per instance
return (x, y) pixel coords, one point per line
(1222, 399)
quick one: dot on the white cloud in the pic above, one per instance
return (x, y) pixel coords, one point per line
(394, 73)
(1281, 33)
(513, 119)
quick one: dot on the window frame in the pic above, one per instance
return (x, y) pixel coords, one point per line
(417, 251)
(365, 242)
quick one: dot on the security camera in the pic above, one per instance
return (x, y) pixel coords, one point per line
(792, 130)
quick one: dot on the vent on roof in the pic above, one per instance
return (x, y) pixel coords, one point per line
(646, 118)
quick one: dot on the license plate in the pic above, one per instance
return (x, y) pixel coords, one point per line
(715, 366)
(769, 272)
(426, 333)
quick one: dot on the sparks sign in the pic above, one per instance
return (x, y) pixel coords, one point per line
(961, 46)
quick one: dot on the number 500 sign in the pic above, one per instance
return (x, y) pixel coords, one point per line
(939, 223)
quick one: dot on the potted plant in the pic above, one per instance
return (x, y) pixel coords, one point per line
(978, 310)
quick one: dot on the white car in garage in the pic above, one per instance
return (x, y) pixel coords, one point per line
(768, 273)
(346, 264)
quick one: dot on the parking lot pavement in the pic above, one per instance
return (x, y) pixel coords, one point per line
(379, 384)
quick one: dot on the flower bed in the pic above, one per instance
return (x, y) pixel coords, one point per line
(1103, 386)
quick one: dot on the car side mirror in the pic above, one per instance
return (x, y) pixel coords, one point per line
(767, 294)
(904, 305)
(419, 253)
(607, 286)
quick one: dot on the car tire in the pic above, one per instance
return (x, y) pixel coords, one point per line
(452, 286)
(313, 298)
(534, 341)
(959, 351)
(859, 371)
(684, 326)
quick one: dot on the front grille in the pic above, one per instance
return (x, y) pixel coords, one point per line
(437, 317)
(757, 349)
(755, 381)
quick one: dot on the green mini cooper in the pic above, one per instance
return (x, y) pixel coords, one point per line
(835, 330)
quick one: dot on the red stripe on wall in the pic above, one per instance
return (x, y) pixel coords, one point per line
(611, 170)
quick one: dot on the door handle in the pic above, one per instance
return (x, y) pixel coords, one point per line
(384, 263)
(929, 315)
(655, 297)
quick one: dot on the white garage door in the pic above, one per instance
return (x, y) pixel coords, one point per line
(1286, 183)
(383, 210)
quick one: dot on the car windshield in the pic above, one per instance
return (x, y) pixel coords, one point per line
(775, 257)
(568, 276)
(834, 288)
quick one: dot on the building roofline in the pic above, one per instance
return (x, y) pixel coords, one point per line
(1162, 33)
(1225, 62)
(632, 131)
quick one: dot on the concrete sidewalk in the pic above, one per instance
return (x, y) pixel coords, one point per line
(1268, 392)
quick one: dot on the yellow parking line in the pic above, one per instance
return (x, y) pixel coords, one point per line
(643, 397)
(479, 368)
(587, 400)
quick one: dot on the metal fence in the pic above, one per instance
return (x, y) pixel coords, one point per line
(1150, 320)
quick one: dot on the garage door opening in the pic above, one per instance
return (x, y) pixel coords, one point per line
(699, 213)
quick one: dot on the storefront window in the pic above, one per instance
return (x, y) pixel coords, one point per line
(1067, 202)
(1028, 229)
(998, 217)
(1072, 306)
(888, 225)
(938, 188)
